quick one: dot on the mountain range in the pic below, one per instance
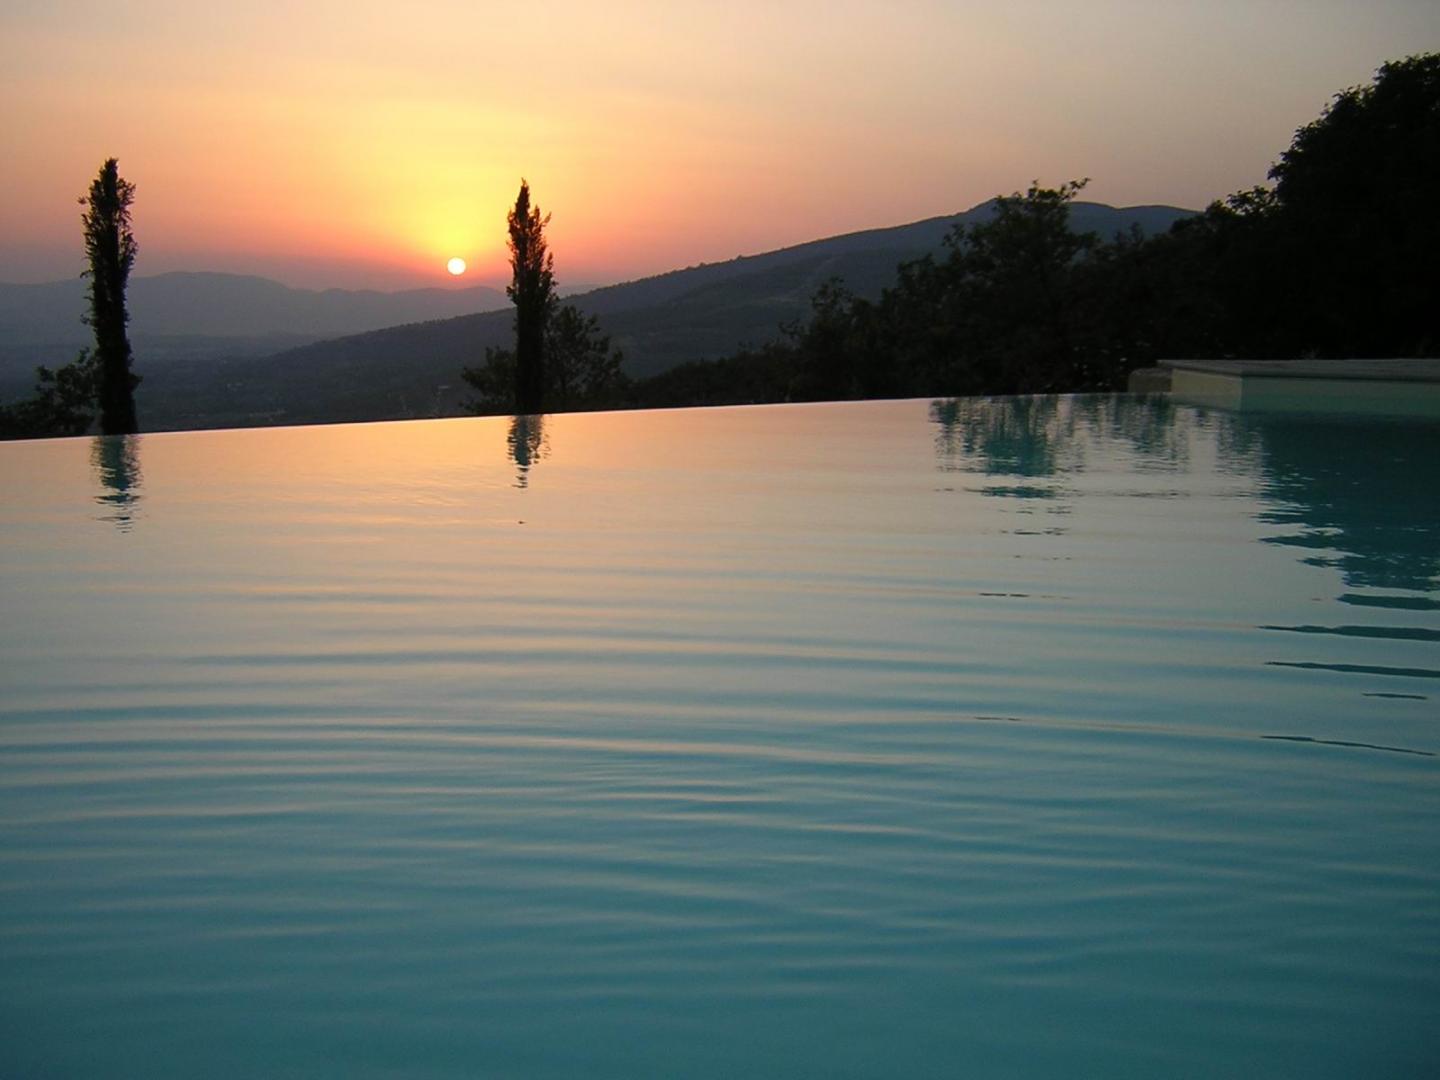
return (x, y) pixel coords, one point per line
(229, 305)
(225, 376)
(198, 316)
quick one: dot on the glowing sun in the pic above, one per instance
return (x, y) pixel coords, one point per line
(456, 266)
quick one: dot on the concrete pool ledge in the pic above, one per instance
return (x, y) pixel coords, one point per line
(1376, 387)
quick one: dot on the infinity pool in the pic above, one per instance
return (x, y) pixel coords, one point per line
(1046, 737)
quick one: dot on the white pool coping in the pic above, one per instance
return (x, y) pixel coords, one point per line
(1401, 387)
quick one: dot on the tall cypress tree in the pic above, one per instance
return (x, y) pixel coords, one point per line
(532, 290)
(110, 247)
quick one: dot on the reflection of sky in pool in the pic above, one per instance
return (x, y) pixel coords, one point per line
(1030, 737)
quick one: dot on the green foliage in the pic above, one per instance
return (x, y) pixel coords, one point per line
(64, 402)
(582, 372)
(110, 248)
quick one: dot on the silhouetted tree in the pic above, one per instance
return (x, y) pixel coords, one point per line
(493, 383)
(750, 377)
(64, 402)
(1355, 217)
(1336, 259)
(1007, 284)
(585, 371)
(110, 247)
(834, 351)
(532, 290)
(581, 370)
(994, 314)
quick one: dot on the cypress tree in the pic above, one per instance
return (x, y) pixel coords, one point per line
(532, 290)
(110, 247)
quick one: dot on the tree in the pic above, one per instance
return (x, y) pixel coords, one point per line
(66, 399)
(585, 371)
(1337, 258)
(64, 402)
(1356, 217)
(1015, 274)
(996, 313)
(833, 352)
(110, 247)
(532, 290)
(581, 370)
(493, 383)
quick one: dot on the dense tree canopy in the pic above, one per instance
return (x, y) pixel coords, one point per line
(1338, 258)
(1355, 217)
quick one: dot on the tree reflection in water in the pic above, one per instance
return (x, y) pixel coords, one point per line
(1358, 492)
(116, 461)
(1006, 436)
(528, 444)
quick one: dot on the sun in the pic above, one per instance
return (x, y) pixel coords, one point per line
(456, 266)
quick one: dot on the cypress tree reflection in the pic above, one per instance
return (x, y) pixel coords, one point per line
(116, 461)
(527, 444)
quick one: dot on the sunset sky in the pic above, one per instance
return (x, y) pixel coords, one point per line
(349, 143)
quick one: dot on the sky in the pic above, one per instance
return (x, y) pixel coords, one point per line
(346, 143)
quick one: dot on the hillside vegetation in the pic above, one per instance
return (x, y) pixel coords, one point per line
(697, 314)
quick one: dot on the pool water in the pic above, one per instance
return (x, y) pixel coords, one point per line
(1035, 737)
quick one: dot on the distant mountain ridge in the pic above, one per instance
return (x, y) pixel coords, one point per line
(207, 304)
(904, 241)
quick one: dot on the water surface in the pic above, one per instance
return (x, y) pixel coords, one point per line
(1004, 738)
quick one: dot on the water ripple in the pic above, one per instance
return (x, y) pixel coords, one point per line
(758, 750)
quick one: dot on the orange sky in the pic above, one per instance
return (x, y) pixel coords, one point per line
(348, 143)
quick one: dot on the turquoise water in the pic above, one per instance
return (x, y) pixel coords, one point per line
(1013, 738)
